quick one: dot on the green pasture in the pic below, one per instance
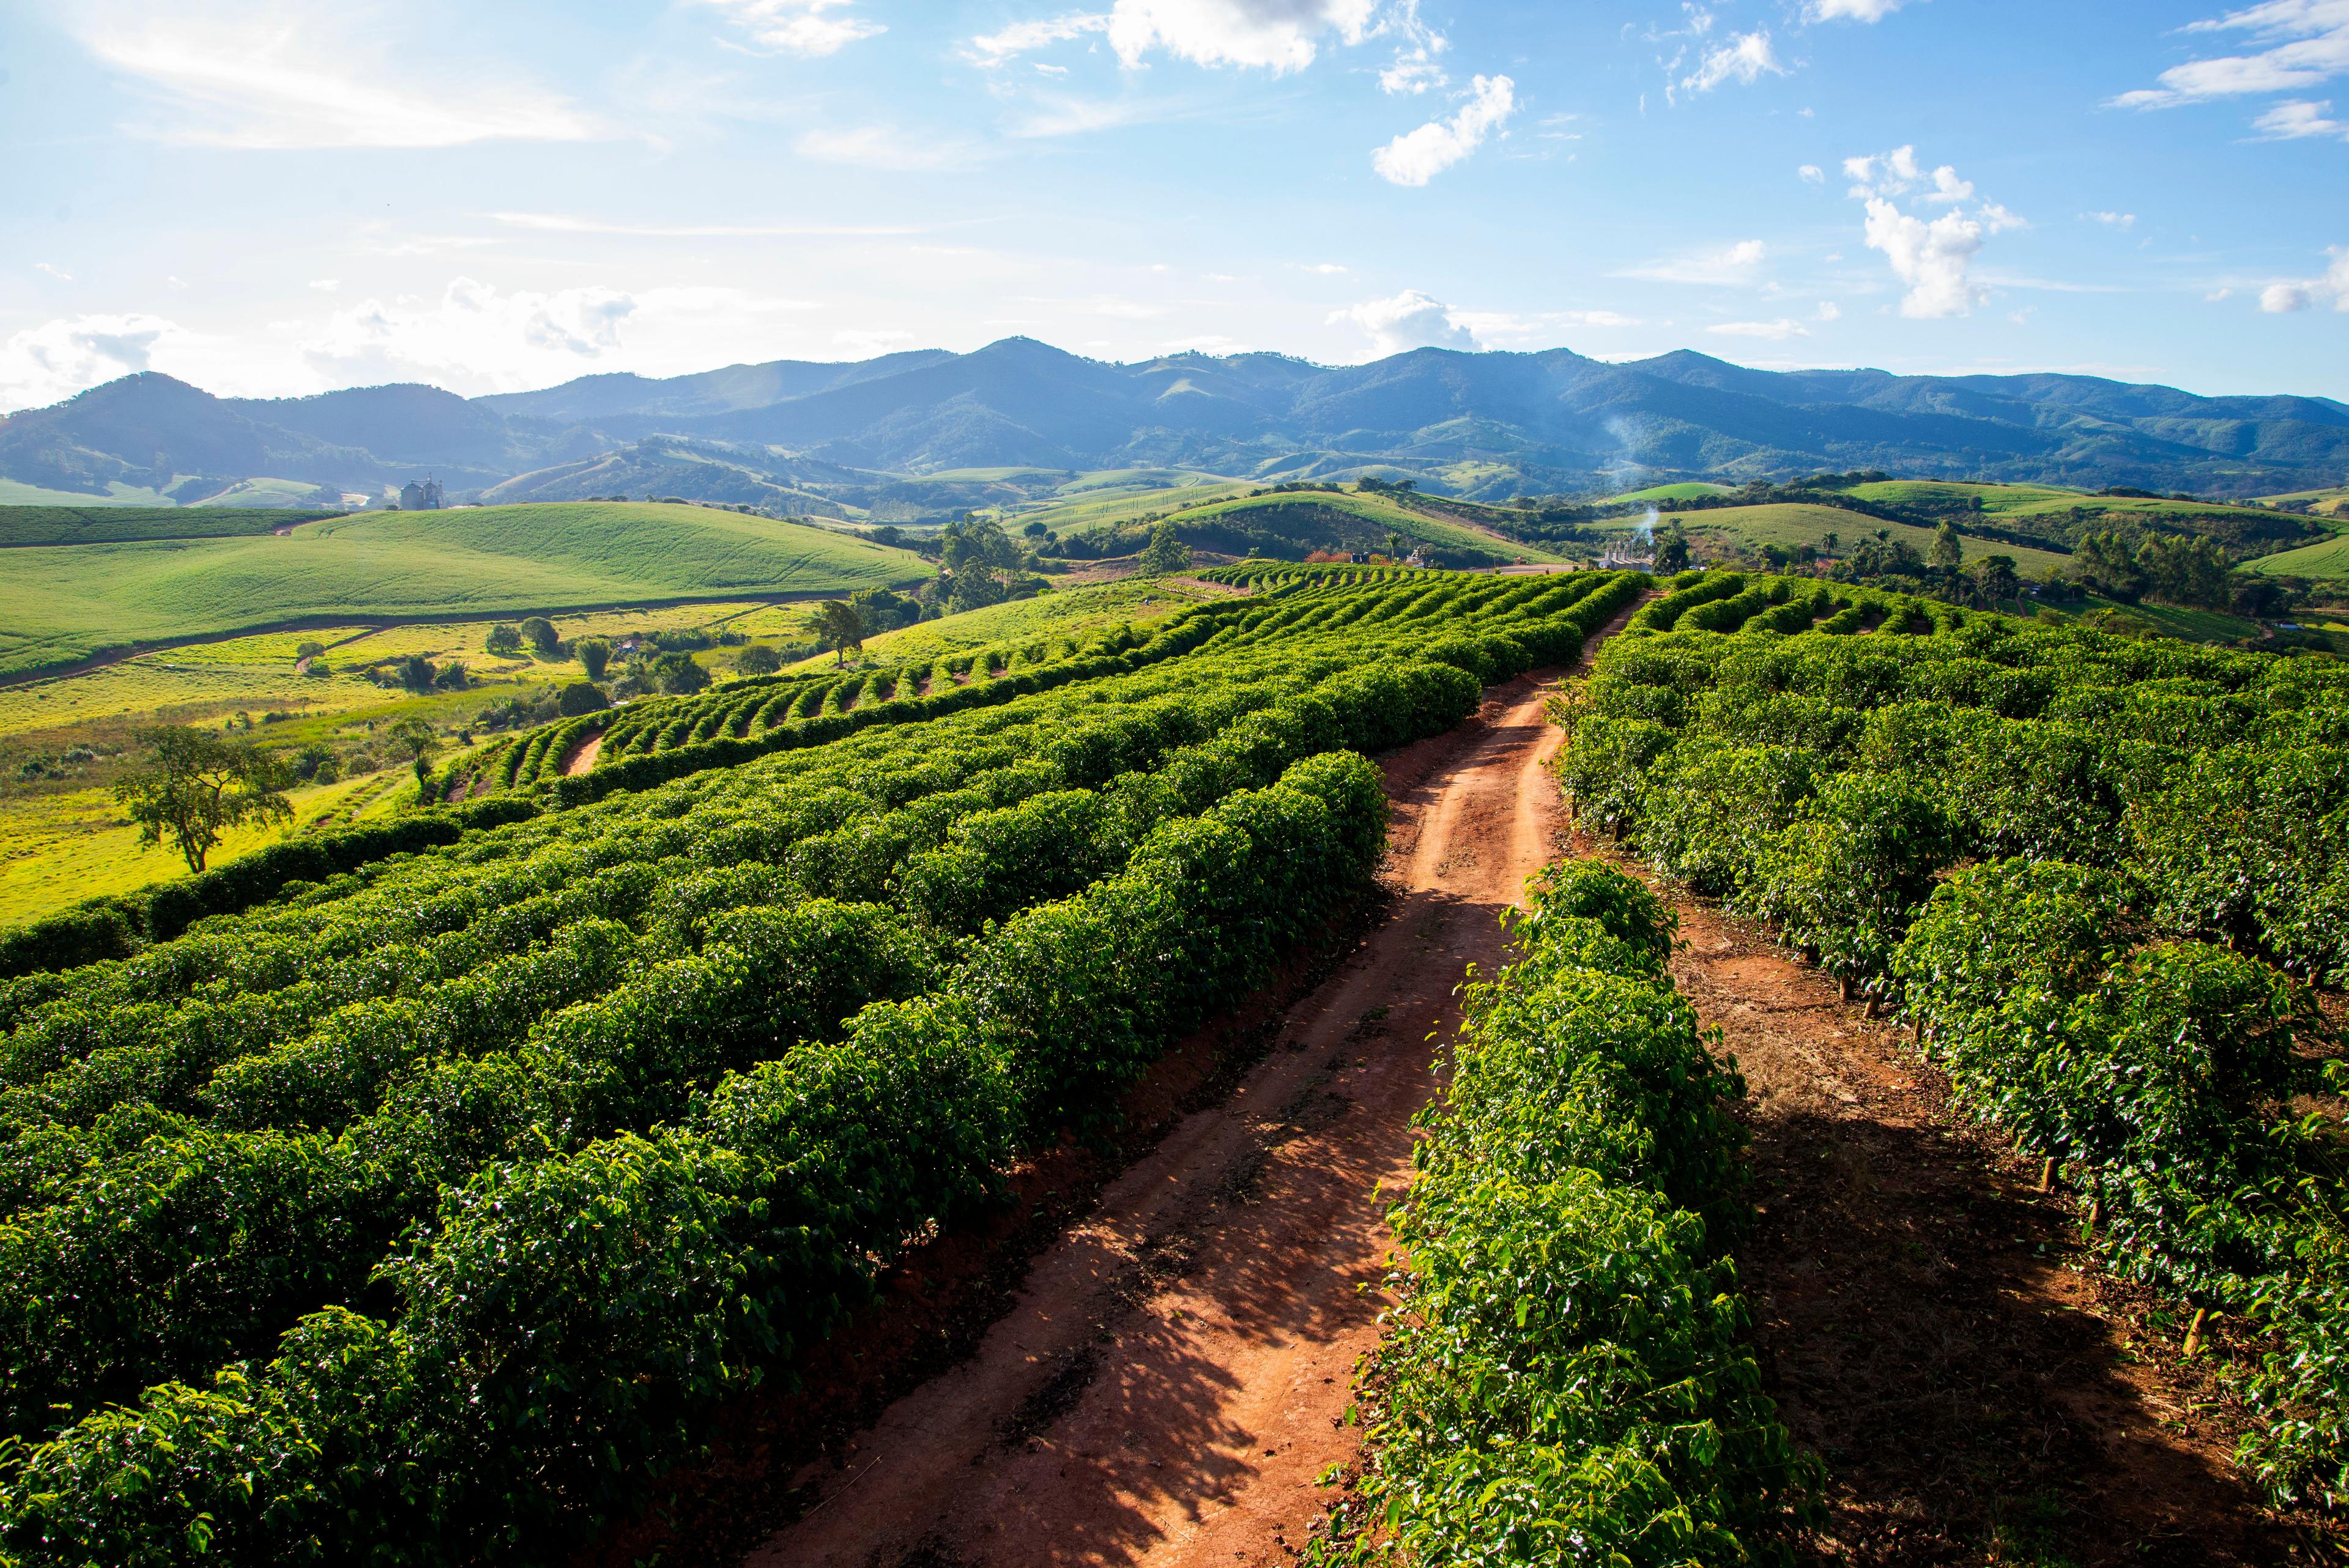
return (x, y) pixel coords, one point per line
(1790, 525)
(2021, 501)
(1377, 512)
(66, 602)
(1063, 612)
(1688, 490)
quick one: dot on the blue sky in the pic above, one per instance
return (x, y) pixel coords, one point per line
(271, 198)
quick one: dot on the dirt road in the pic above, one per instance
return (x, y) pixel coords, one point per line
(1929, 1323)
(582, 757)
(1172, 1377)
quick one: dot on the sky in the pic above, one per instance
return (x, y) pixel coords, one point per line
(278, 199)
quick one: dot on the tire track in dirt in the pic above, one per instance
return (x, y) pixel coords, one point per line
(1172, 1377)
(1927, 1320)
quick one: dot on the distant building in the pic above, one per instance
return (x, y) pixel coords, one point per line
(420, 495)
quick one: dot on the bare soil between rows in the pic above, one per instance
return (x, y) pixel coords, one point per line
(1933, 1326)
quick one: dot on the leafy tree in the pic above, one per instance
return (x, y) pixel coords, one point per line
(197, 785)
(758, 659)
(419, 741)
(539, 632)
(838, 623)
(1165, 551)
(888, 535)
(453, 677)
(505, 641)
(1831, 540)
(1995, 576)
(309, 648)
(679, 674)
(595, 656)
(317, 763)
(417, 672)
(1946, 555)
(882, 610)
(582, 697)
(1672, 549)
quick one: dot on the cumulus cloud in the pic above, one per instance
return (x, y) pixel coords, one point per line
(812, 27)
(1743, 57)
(1776, 331)
(2310, 293)
(236, 75)
(1934, 258)
(1022, 37)
(1416, 157)
(1830, 311)
(2298, 45)
(43, 364)
(1811, 174)
(1412, 319)
(1851, 10)
(2296, 118)
(1277, 36)
(2111, 219)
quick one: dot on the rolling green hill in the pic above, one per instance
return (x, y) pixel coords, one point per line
(63, 603)
(1290, 524)
(1799, 525)
(1686, 490)
(122, 525)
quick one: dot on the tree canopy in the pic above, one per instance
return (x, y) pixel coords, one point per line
(197, 785)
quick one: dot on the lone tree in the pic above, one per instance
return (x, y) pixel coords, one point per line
(199, 785)
(505, 641)
(1945, 554)
(595, 656)
(539, 632)
(419, 741)
(1165, 551)
(758, 659)
(1672, 549)
(838, 623)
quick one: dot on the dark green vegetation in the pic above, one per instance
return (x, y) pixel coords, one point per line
(879, 439)
(428, 1210)
(66, 602)
(1566, 1379)
(2150, 848)
(122, 525)
(1292, 522)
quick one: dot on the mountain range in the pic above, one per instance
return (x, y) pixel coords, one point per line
(816, 437)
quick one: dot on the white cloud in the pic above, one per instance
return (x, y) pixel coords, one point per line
(2307, 45)
(1777, 331)
(325, 285)
(43, 364)
(1490, 327)
(2296, 118)
(1811, 174)
(1410, 320)
(1419, 156)
(1934, 258)
(797, 26)
(2111, 219)
(1851, 10)
(2308, 294)
(60, 274)
(881, 340)
(1022, 37)
(1730, 266)
(2216, 294)
(883, 147)
(1327, 269)
(1277, 35)
(1744, 57)
(237, 75)
(1830, 311)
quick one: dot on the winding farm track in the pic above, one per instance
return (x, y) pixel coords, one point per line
(1173, 1376)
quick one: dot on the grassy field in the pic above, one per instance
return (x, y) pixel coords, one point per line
(1064, 612)
(21, 526)
(2016, 502)
(1112, 496)
(2322, 502)
(65, 602)
(1686, 490)
(1371, 515)
(1792, 524)
(2325, 558)
(14, 493)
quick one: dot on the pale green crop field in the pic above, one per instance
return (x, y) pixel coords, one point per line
(1063, 612)
(1380, 513)
(1790, 525)
(62, 603)
(1686, 490)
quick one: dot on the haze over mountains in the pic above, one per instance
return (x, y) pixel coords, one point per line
(808, 436)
